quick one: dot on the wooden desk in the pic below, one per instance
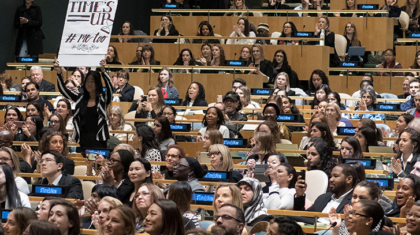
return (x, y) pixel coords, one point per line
(340, 5)
(369, 29)
(406, 56)
(301, 58)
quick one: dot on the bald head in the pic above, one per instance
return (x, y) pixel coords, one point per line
(6, 138)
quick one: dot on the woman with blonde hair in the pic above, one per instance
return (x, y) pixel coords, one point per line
(238, 5)
(283, 82)
(227, 194)
(99, 218)
(120, 221)
(9, 156)
(333, 113)
(264, 67)
(221, 160)
(116, 121)
(245, 95)
(144, 198)
(166, 84)
(152, 107)
(212, 137)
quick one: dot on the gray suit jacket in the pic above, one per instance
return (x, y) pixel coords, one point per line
(412, 111)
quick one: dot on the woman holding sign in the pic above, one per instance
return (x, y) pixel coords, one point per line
(91, 106)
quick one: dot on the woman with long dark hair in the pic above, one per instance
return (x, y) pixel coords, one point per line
(148, 144)
(10, 196)
(153, 105)
(127, 28)
(148, 58)
(33, 109)
(195, 95)
(412, 8)
(218, 56)
(205, 30)
(164, 218)
(281, 193)
(166, 28)
(214, 120)
(163, 131)
(350, 148)
(350, 33)
(145, 196)
(319, 156)
(91, 106)
(140, 172)
(18, 220)
(65, 216)
(289, 30)
(206, 55)
(30, 129)
(318, 77)
(181, 193)
(366, 137)
(408, 154)
(185, 58)
(111, 58)
(241, 30)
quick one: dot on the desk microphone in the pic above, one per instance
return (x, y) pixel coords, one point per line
(303, 27)
(332, 226)
(234, 56)
(197, 212)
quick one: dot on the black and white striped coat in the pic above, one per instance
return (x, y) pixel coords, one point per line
(104, 100)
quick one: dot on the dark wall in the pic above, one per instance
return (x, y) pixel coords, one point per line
(53, 12)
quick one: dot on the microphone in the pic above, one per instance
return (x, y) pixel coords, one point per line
(197, 212)
(303, 27)
(332, 226)
(234, 56)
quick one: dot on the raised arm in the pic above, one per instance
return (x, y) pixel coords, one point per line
(108, 83)
(60, 83)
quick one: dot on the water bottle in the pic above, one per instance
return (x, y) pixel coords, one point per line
(393, 133)
(389, 168)
(149, 116)
(322, 36)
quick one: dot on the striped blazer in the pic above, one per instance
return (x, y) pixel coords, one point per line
(104, 101)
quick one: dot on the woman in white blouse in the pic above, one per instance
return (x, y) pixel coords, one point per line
(242, 32)
(282, 189)
(117, 122)
(214, 120)
(7, 155)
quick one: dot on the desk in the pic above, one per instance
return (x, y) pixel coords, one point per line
(369, 29)
(406, 55)
(301, 58)
(340, 5)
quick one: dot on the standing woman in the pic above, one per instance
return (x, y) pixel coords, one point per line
(241, 30)
(91, 106)
(389, 56)
(264, 67)
(28, 19)
(166, 28)
(350, 33)
(218, 55)
(282, 82)
(324, 25)
(166, 84)
(195, 96)
(148, 145)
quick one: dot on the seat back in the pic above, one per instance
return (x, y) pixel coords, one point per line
(345, 102)
(299, 92)
(130, 115)
(284, 141)
(340, 46)
(259, 227)
(222, 41)
(87, 188)
(389, 96)
(404, 21)
(138, 92)
(317, 182)
(205, 224)
(80, 170)
(383, 127)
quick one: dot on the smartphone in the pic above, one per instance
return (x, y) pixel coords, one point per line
(220, 98)
(92, 156)
(303, 174)
(144, 98)
(19, 124)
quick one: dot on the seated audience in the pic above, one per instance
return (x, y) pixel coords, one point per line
(99, 218)
(166, 28)
(211, 137)
(189, 169)
(223, 225)
(51, 164)
(389, 56)
(218, 56)
(205, 30)
(242, 31)
(364, 122)
(163, 132)
(367, 103)
(245, 95)
(245, 55)
(233, 106)
(116, 173)
(120, 219)
(148, 58)
(392, 8)
(206, 55)
(263, 144)
(316, 117)
(180, 192)
(270, 113)
(252, 198)
(312, 5)
(281, 64)
(139, 58)
(320, 94)
(123, 87)
(170, 113)
(350, 148)
(364, 85)
(148, 145)
(408, 154)
(117, 122)
(195, 95)
(214, 120)
(221, 160)
(112, 58)
(416, 65)
(344, 179)
(64, 109)
(18, 220)
(263, 31)
(186, 59)
(140, 172)
(8, 84)
(402, 123)
(319, 156)
(318, 77)
(282, 82)
(284, 225)
(127, 28)
(32, 94)
(406, 87)
(11, 116)
(145, 196)
(7, 155)
(151, 107)
(282, 189)
(334, 116)
(350, 5)
(226, 194)
(289, 30)
(56, 121)
(412, 223)
(366, 137)
(37, 77)
(39, 227)
(173, 154)
(334, 98)
(44, 208)
(65, 216)
(416, 110)
(412, 8)
(166, 84)
(77, 79)
(407, 190)
(11, 197)
(323, 25)
(271, 128)
(264, 67)
(414, 88)
(350, 33)
(33, 109)
(164, 218)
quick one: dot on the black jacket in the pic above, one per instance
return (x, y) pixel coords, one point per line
(46, 86)
(196, 103)
(127, 93)
(125, 190)
(30, 31)
(72, 184)
(266, 67)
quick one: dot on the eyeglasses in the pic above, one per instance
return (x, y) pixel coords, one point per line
(167, 114)
(287, 27)
(5, 159)
(46, 160)
(143, 194)
(111, 161)
(171, 156)
(226, 217)
(213, 154)
(29, 123)
(53, 122)
(353, 213)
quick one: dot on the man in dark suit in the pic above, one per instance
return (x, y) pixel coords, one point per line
(32, 94)
(343, 180)
(51, 167)
(44, 86)
(126, 90)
